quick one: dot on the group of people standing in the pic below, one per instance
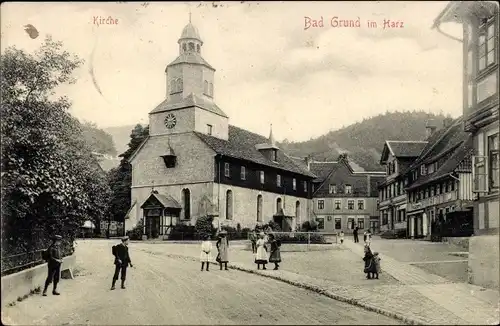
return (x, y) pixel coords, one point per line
(367, 236)
(372, 263)
(260, 247)
(222, 246)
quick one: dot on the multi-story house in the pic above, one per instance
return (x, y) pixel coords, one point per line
(480, 39)
(343, 198)
(397, 156)
(440, 180)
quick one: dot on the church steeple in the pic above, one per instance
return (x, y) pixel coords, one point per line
(272, 142)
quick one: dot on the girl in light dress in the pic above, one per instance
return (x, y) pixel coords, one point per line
(261, 255)
(206, 252)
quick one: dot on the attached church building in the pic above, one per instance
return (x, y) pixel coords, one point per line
(194, 163)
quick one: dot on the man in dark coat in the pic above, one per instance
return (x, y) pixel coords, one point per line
(54, 261)
(122, 260)
(355, 233)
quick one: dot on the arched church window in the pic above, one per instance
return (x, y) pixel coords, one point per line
(198, 48)
(184, 47)
(205, 87)
(186, 203)
(259, 208)
(173, 86)
(278, 205)
(191, 46)
(180, 84)
(211, 89)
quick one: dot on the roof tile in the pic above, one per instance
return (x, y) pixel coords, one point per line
(241, 145)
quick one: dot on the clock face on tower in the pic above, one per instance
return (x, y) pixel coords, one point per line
(170, 121)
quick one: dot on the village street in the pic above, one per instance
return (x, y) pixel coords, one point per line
(163, 290)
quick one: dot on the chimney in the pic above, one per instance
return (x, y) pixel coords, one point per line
(308, 160)
(430, 128)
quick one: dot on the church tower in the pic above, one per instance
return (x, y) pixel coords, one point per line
(189, 102)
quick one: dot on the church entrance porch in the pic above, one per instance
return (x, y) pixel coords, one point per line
(285, 222)
(161, 213)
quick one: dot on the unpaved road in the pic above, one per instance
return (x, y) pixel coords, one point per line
(163, 290)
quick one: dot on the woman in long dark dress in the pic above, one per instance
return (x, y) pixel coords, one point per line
(275, 256)
(369, 263)
(223, 248)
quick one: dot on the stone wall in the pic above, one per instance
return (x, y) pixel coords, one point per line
(483, 261)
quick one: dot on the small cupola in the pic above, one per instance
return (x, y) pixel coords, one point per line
(169, 158)
(269, 149)
(190, 41)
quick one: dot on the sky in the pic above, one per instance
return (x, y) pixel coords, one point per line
(270, 69)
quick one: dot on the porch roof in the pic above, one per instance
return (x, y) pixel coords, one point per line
(166, 201)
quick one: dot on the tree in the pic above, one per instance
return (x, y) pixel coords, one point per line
(50, 180)
(120, 178)
(98, 140)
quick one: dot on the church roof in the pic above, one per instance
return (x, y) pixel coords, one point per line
(190, 57)
(188, 101)
(241, 145)
(190, 31)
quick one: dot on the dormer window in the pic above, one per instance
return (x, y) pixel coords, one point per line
(430, 168)
(294, 183)
(332, 189)
(227, 171)
(243, 173)
(423, 170)
(305, 186)
(278, 180)
(169, 160)
(348, 189)
(274, 155)
(261, 177)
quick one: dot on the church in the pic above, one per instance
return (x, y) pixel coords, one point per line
(194, 163)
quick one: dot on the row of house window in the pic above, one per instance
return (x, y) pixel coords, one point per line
(338, 222)
(338, 204)
(432, 191)
(487, 168)
(393, 190)
(243, 176)
(332, 189)
(400, 216)
(391, 167)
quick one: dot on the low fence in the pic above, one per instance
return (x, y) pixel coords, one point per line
(24, 252)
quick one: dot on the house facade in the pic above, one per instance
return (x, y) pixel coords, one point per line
(397, 156)
(194, 163)
(343, 198)
(440, 179)
(480, 39)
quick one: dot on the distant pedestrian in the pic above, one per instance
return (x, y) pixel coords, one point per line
(223, 248)
(122, 261)
(369, 264)
(261, 255)
(355, 234)
(365, 237)
(341, 237)
(54, 260)
(376, 260)
(206, 249)
(253, 240)
(275, 256)
(369, 237)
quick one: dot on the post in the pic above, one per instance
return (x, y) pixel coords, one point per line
(308, 240)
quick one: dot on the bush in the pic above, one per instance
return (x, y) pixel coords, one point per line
(236, 233)
(301, 238)
(273, 225)
(204, 226)
(183, 232)
(136, 232)
(309, 226)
